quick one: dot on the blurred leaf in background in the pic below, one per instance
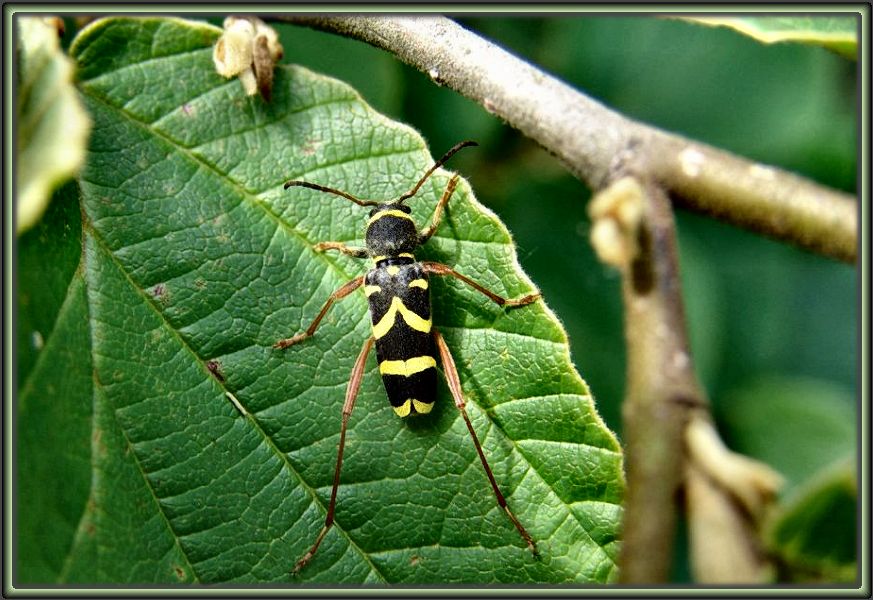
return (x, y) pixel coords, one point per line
(815, 537)
(838, 34)
(52, 125)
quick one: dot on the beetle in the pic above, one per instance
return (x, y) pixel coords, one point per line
(407, 344)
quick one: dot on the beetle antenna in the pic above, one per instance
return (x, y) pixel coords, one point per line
(321, 188)
(436, 166)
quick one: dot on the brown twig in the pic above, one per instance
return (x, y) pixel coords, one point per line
(670, 443)
(591, 139)
(634, 231)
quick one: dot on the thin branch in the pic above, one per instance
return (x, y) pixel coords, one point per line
(670, 442)
(594, 141)
(633, 230)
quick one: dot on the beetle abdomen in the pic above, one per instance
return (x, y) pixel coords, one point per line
(397, 291)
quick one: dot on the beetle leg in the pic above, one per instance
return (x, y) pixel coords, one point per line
(428, 231)
(339, 294)
(348, 406)
(436, 268)
(354, 251)
(454, 383)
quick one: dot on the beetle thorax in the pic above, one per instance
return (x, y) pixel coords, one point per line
(391, 231)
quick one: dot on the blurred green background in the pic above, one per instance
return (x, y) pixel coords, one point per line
(774, 329)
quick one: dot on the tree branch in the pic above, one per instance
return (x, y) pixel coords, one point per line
(633, 230)
(670, 442)
(594, 141)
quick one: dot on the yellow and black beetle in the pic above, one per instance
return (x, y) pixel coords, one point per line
(407, 344)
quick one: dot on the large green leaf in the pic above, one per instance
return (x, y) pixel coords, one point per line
(194, 260)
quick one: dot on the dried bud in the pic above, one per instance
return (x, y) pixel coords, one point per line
(617, 212)
(249, 49)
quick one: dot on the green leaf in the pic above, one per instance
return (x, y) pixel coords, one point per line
(194, 262)
(815, 535)
(52, 125)
(838, 34)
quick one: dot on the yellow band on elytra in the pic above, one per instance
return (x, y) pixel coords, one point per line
(402, 410)
(397, 307)
(422, 407)
(406, 367)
